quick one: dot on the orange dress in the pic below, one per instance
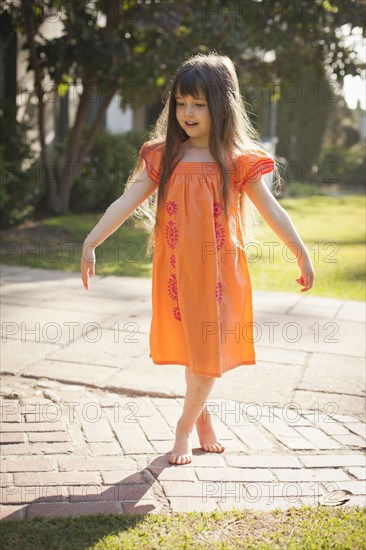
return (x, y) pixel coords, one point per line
(202, 313)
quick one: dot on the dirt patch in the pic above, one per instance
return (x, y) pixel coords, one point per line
(33, 231)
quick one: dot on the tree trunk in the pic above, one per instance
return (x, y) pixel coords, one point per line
(31, 31)
(76, 155)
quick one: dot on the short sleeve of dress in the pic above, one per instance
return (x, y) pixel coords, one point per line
(251, 164)
(152, 156)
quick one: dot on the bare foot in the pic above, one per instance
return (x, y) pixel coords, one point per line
(182, 450)
(207, 436)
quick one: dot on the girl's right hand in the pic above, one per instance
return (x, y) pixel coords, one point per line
(87, 263)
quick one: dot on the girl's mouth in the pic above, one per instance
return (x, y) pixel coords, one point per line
(191, 123)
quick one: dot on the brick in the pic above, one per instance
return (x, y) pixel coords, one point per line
(22, 494)
(56, 478)
(13, 464)
(128, 476)
(345, 418)
(143, 506)
(33, 427)
(356, 487)
(293, 417)
(5, 479)
(318, 461)
(11, 512)
(159, 402)
(351, 439)
(334, 428)
(212, 460)
(48, 437)
(171, 414)
(201, 489)
(278, 427)
(10, 411)
(72, 509)
(183, 505)
(233, 445)
(234, 474)
(304, 474)
(12, 437)
(95, 464)
(36, 400)
(156, 428)
(93, 422)
(162, 446)
(102, 449)
(132, 492)
(360, 473)
(134, 442)
(142, 406)
(263, 461)
(252, 437)
(37, 448)
(318, 438)
(296, 443)
(358, 428)
(173, 474)
(183, 488)
(289, 490)
(202, 459)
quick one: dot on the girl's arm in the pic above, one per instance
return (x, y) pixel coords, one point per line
(280, 222)
(115, 215)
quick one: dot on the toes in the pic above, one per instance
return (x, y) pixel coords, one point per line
(180, 459)
(213, 447)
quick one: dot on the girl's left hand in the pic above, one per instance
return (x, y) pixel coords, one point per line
(307, 274)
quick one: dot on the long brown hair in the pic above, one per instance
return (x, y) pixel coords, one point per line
(231, 134)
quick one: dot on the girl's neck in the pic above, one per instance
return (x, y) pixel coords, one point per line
(189, 145)
(192, 153)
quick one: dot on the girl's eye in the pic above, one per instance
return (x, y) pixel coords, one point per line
(197, 104)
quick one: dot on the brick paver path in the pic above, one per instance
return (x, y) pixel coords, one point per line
(79, 452)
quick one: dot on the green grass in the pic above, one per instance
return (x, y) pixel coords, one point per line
(293, 529)
(332, 228)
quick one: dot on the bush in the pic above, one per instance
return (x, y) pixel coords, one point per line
(345, 166)
(106, 171)
(18, 188)
(301, 189)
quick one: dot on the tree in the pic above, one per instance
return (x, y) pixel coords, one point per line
(133, 47)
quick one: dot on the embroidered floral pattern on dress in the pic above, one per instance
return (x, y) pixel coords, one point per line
(176, 313)
(220, 235)
(218, 209)
(220, 240)
(172, 287)
(218, 292)
(171, 234)
(171, 207)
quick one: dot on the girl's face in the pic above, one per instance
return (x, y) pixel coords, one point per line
(194, 117)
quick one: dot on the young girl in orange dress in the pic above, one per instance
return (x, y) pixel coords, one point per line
(196, 180)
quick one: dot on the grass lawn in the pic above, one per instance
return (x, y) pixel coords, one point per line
(332, 228)
(293, 529)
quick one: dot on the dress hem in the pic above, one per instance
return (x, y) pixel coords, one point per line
(204, 373)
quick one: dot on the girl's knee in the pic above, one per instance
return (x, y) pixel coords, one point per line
(204, 379)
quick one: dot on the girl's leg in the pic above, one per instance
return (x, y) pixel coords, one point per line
(205, 430)
(198, 389)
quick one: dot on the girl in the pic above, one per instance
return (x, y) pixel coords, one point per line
(205, 162)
